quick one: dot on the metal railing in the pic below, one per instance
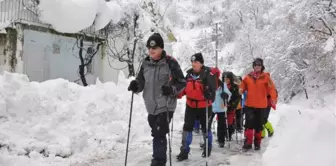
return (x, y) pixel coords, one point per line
(26, 11)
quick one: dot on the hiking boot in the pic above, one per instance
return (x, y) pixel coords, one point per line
(248, 139)
(182, 156)
(256, 146)
(221, 145)
(240, 130)
(202, 145)
(196, 130)
(158, 163)
(209, 152)
(247, 146)
(257, 141)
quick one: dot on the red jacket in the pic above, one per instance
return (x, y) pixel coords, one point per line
(194, 91)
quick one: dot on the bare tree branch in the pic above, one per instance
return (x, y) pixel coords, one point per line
(326, 25)
(240, 15)
(30, 8)
(122, 43)
(250, 45)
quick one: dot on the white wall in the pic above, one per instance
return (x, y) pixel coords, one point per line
(111, 73)
(43, 60)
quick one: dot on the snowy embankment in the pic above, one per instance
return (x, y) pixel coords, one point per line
(61, 123)
(305, 134)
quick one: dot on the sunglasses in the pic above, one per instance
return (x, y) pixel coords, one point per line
(257, 64)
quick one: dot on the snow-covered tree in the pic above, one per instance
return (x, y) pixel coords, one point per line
(125, 41)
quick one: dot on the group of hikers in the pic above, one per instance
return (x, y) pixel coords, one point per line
(209, 93)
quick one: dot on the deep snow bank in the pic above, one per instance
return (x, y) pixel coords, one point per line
(305, 134)
(59, 123)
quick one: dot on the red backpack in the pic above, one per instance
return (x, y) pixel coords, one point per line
(215, 71)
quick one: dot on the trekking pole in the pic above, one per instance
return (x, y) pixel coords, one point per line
(227, 124)
(129, 128)
(200, 142)
(236, 123)
(169, 138)
(130, 117)
(243, 125)
(227, 128)
(207, 134)
(172, 129)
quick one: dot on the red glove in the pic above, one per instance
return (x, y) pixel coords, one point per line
(273, 104)
(179, 96)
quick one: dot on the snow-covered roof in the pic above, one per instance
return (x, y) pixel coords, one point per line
(67, 16)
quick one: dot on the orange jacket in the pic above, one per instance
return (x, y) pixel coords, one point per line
(258, 88)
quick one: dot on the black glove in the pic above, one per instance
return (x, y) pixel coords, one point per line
(207, 94)
(134, 86)
(167, 90)
(224, 96)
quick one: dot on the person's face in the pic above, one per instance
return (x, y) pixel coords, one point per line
(227, 80)
(257, 67)
(155, 52)
(197, 66)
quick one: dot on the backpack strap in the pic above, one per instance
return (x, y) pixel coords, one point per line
(168, 61)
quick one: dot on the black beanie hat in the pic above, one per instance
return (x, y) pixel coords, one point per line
(259, 61)
(155, 41)
(197, 57)
(229, 75)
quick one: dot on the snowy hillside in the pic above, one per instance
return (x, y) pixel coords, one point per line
(295, 38)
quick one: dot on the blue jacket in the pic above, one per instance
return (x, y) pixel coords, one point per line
(218, 105)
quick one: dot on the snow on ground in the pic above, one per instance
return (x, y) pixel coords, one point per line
(61, 123)
(41, 123)
(306, 133)
(72, 16)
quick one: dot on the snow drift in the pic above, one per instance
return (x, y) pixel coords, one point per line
(54, 120)
(71, 16)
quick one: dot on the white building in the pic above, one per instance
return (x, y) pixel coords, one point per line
(31, 47)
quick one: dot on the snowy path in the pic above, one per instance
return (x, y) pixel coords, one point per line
(140, 153)
(304, 137)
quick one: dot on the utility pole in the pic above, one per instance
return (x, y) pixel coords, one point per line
(217, 45)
